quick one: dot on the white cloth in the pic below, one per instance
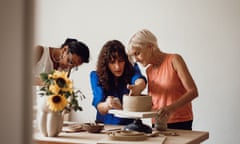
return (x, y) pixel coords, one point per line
(45, 64)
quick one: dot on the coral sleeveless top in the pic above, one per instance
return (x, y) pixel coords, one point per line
(165, 88)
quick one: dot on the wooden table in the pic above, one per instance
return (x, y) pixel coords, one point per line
(183, 137)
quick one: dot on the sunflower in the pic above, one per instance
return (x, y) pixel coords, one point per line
(62, 80)
(57, 102)
(57, 74)
(54, 88)
(59, 89)
(68, 87)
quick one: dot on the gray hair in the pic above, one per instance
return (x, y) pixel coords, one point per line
(143, 38)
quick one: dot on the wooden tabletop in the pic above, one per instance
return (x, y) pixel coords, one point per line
(181, 137)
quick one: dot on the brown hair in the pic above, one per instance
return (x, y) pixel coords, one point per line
(112, 50)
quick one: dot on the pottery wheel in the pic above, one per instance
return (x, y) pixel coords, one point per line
(137, 125)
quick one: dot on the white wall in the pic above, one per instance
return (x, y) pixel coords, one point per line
(205, 32)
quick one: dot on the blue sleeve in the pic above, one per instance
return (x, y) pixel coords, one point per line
(97, 90)
(137, 74)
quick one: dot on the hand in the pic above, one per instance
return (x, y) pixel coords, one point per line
(133, 90)
(163, 113)
(113, 102)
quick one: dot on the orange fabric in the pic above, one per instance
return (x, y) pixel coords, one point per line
(165, 88)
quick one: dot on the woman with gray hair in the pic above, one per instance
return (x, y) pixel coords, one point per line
(169, 81)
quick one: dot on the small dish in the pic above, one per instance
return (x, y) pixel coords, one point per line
(73, 128)
(93, 127)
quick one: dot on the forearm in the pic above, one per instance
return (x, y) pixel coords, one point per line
(110, 103)
(140, 85)
(186, 98)
(38, 81)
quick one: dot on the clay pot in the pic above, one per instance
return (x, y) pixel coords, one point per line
(142, 103)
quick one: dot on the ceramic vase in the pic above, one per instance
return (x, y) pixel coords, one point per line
(49, 123)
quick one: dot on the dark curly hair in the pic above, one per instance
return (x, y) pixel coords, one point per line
(113, 50)
(77, 47)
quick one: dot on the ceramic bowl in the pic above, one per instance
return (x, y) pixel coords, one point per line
(93, 127)
(142, 103)
(127, 136)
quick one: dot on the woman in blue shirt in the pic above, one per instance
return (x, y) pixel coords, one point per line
(115, 76)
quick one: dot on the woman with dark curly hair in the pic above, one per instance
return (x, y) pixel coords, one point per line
(72, 53)
(114, 77)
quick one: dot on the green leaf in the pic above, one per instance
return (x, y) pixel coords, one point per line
(52, 71)
(44, 76)
(42, 89)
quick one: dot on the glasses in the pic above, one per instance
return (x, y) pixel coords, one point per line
(70, 62)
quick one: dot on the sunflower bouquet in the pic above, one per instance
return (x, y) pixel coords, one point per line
(59, 90)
